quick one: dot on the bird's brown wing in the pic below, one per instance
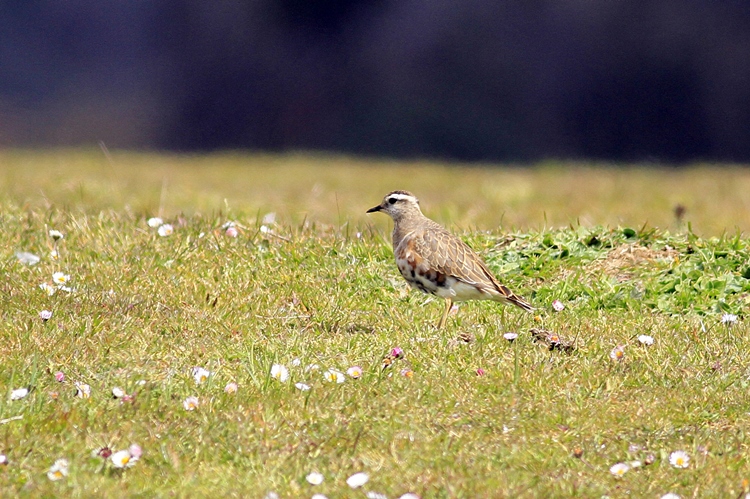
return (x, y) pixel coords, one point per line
(449, 255)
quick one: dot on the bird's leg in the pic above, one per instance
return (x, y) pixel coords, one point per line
(448, 305)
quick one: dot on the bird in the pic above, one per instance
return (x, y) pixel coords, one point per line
(435, 261)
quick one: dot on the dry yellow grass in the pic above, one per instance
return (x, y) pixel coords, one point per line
(337, 189)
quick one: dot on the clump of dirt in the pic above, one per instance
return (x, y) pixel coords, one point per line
(552, 340)
(622, 261)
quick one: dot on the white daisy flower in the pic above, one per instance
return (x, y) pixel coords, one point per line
(27, 258)
(645, 339)
(280, 372)
(302, 386)
(118, 392)
(135, 451)
(358, 479)
(165, 230)
(618, 353)
(334, 376)
(269, 218)
(619, 469)
(314, 478)
(670, 495)
(122, 459)
(59, 470)
(56, 234)
(54, 255)
(50, 290)
(510, 336)
(3, 459)
(231, 232)
(60, 278)
(200, 375)
(558, 306)
(155, 222)
(679, 459)
(45, 315)
(354, 372)
(83, 391)
(409, 495)
(19, 393)
(728, 319)
(375, 495)
(319, 496)
(231, 388)
(191, 403)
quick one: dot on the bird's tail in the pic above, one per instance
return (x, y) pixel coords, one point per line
(509, 296)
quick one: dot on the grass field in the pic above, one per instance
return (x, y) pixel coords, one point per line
(310, 280)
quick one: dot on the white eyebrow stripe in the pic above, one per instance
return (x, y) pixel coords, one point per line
(401, 197)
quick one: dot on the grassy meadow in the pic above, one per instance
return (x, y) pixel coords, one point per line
(272, 278)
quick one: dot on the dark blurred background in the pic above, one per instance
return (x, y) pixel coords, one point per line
(660, 80)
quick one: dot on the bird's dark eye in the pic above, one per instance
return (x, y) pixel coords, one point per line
(392, 200)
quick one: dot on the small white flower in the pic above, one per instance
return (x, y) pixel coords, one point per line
(269, 218)
(280, 372)
(135, 451)
(670, 495)
(59, 470)
(83, 391)
(231, 232)
(558, 306)
(200, 375)
(264, 229)
(45, 315)
(618, 353)
(122, 459)
(54, 255)
(645, 339)
(60, 278)
(56, 234)
(619, 469)
(357, 480)
(679, 459)
(510, 336)
(231, 388)
(191, 403)
(354, 372)
(375, 495)
(296, 362)
(319, 496)
(334, 376)
(302, 386)
(409, 495)
(165, 230)
(728, 319)
(118, 392)
(155, 222)
(635, 464)
(314, 478)
(19, 393)
(50, 290)
(27, 258)
(3, 459)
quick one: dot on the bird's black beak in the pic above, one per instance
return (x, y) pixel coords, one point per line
(374, 209)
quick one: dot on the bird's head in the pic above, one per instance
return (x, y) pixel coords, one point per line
(398, 204)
